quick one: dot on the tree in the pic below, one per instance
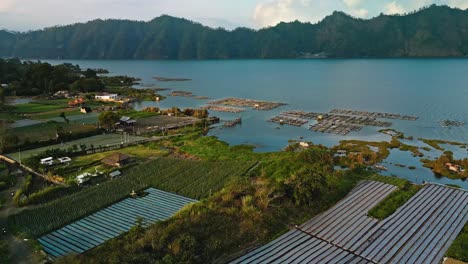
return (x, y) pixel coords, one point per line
(62, 115)
(2, 95)
(309, 183)
(108, 119)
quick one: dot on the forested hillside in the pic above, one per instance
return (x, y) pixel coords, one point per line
(436, 31)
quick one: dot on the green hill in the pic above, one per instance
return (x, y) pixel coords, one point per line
(436, 31)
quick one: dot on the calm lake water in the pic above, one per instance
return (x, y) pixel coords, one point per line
(433, 89)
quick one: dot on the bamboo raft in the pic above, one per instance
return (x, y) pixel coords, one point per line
(373, 114)
(288, 121)
(339, 128)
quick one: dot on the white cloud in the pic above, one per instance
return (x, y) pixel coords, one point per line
(361, 12)
(352, 3)
(463, 4)
(394, 8)
(5, 5)
(271, 12)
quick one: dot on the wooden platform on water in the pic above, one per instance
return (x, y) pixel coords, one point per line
(420, 231)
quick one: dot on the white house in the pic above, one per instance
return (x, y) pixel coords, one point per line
(106, 97)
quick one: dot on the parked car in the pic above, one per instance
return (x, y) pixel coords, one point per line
(64, 159)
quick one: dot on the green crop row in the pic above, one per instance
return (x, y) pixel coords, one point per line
(194, 179)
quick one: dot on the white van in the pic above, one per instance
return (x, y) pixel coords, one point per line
(47, 161)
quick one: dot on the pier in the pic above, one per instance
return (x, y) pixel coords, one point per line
(225, 109)
(233, 123)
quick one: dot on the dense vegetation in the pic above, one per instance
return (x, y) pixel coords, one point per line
(459, 248)
(195, 179)
(439, 166)
(394, 201)
(285, 189)
(431, 32)
(34, 78)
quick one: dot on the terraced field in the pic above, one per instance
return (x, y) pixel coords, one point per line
(420, 231)
(112, 221)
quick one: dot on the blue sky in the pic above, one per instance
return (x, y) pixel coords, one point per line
(34, 14)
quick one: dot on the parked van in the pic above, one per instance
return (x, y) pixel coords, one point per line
(47, 161)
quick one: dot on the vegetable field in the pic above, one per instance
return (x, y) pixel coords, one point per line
(194, 179)
(112, 221)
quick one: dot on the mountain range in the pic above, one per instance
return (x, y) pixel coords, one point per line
(435, 31)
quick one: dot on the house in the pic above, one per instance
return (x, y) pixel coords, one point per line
(115, 174)
(304, 144)
(62, 94)
(454, 167)
(77, 102)
(107, 97)
(126, 121)
(116, 160)
(85, 110)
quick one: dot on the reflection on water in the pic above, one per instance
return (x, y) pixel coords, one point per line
(433, 89)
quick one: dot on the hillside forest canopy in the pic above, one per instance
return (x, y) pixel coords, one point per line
(434, 31)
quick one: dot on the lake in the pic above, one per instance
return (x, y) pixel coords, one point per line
(432, 89)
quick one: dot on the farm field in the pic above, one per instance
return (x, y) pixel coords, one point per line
(56, 113)
(98, 140)
(41, 106)
(112, 221)
(47, 131)
(420, 231)
(193, 179)
(80, 118)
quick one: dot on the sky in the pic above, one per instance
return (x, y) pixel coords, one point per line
(23, 15)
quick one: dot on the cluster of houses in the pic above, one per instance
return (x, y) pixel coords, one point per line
(454, 168)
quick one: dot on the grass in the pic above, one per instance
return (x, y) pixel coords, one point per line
(394, 201)
(37, 107)
(9, 117)
(4, 252)
(56, 113)
(90, 163)
(400, 183)
(459, 248)
(435, 143)
(277, 165)
(139, 151)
